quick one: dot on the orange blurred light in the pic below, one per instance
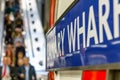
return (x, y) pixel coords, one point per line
(51, 75)
(52, 12)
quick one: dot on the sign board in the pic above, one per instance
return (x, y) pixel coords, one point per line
(89, 34)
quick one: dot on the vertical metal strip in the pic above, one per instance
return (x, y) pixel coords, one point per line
(2, 7)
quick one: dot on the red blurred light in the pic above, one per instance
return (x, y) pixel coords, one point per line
(94, 75)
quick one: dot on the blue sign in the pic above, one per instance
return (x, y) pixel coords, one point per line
(89, 34)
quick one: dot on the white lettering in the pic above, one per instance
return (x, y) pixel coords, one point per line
(103, 24)
(92, 33)
(72, 35)
(62, 37)
(116, 18)
(81, 30)
(58, 44)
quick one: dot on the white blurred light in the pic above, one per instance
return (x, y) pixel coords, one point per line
(23, 33)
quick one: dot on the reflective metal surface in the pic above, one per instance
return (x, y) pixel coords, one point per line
(2, 6)
(34, 38)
